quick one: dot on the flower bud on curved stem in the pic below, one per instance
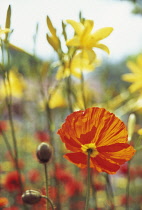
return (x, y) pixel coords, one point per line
(31, 197)
(44, 152)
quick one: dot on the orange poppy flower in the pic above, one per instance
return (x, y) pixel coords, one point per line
(100, 132)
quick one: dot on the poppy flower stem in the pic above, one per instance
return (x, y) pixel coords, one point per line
(46, 182)
(88, 181)
(49, 201)
(128, 187)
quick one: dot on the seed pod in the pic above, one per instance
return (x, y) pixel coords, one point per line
(44, 152)
(31, 197)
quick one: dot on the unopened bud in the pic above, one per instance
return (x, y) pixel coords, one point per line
(44, 152)
(131, 126)
(31, 197)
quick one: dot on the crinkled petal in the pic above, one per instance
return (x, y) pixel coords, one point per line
(118, 153)
(103, 165)
(108, 128)
(78, 159)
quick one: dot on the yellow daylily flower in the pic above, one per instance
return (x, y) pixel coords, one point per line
(57, 100)
(81, 62)
(136, 76)
(15, 86)
(85, 39)
(53, 38)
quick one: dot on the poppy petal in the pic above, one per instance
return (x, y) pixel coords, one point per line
(117, 153)
(103, 165)
(78, 159)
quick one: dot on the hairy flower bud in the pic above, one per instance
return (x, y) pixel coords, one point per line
(31, 197)
(44, 152)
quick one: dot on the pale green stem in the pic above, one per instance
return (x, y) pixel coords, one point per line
(128, 187)
(83, 90)
(88, 181)
(46, 182)
(8, 145)
(48, 200)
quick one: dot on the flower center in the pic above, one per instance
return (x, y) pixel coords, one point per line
(90, 148)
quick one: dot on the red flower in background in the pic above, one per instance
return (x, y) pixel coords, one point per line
(42, 136)
(73, 188)
(34, 175)
(12, 208)
(3, 126)
(100, 132)
(12, 181)
(3, 202)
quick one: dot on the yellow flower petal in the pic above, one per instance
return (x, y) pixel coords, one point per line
(102, 33)
(139, 61)
(78, 27)
(17, 85)
(53, 41)
(50, 26)
(134, 67)
(103, 47)
(73, 42)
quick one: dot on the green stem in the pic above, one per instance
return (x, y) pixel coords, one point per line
(88, 181)
(8, 145)
(83, 90)
(69, 93)
(48, 200)
(9, 103)
(128, 187)
(109, 192)
(46, 182)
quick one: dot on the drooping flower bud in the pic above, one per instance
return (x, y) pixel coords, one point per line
(31, 197)
(44, 152)
(131, 126)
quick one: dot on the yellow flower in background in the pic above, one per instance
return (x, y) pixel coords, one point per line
(53, 38)
(86, 40)
(136, 76)
(90, 96)
(79, 64)
(15, 86)
(140, 131)
(57, 100)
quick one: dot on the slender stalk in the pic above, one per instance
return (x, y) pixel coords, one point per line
(109, 192)
(88, 181)
(128, 187)
(8, 145)
(69, 94)
(48, 200)
(46, 182)
(8, 104)
(94, 194)
(83, 90)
